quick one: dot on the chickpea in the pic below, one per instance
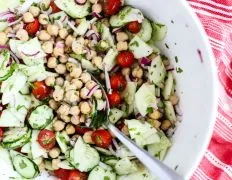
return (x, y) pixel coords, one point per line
(85, 108)
(70, 129)
(61, 69)
(50, 81)
(74, 110)
(43, 19)
(58, 125)
(82, 118)
(98, 94)
(70, 66)
(155, 123)
(174, 99)
(166, 62)
(52, 29)
(97, 8)
(94, 1)
(122, 46)
(69, 41)
(90, 84)
(65, 118)
(125, 130)
(97, 61)
(3, 38)
(87, 137)
(28, 17)
(122, 36)
(77, 83)
(85, 77)
(78, 45)
(76, 72)
(68, 78)
(58, 93)
(22, 35)
(102, 76)
(69, 86)
(55, 163)
(75, 120)
(59, 81)
(91, 54)
(165, 125)
(83, 93)
(59, 49)
(72, 96)
(63, 33)
(8, 30)
(54, 152)
(44, 4)
(63, 109)
(126, 71)
(137, 72)
(18, 26)
(42, 166)
(155, 114)
(63, 59)
(48, 47)
(52, 62)
(34, 11)
(53, 104)
(44, 36)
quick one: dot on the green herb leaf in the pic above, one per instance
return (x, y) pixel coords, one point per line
(179, 70)
(149, 110)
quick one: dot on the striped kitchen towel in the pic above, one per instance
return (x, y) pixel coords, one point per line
(216, 17)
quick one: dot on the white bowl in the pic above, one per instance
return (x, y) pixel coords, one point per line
(197, 85)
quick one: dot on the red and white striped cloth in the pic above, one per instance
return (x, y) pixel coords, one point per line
(216, 17)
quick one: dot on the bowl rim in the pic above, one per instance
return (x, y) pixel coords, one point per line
(211, 58)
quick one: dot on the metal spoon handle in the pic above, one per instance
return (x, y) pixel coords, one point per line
(156, 167)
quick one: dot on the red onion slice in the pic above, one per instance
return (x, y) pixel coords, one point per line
(92, 90)
(115, 30)
(170, 68)
(14, 57)
(80, 2)
(115, 69)
(27, 54)
(4, 47)
(145, 61)
(9, 62)
(15, 22)
(97, 15)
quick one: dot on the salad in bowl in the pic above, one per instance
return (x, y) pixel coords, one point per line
(56, 59)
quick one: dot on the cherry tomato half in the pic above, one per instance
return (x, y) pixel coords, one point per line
(1, 133)
(102, 138)
(125, 59)
(114, 98)
(62, 174)
(118, 82)
(46, 139)
(82, 130)
(111, 7)
(33, 27)
(40, 90)
(134, 27)
(77, 175)
(55, 8)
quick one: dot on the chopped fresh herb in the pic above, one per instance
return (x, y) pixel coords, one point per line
(149, 110)
(132, 129)
(106, 178)
(176, 167)
(160, 25)
(163, 57)
(176, 59)
(138, 133)
(22, 1)
(154, 66)
(22, 165)
(179, 70)
(166, 45)
(11, 86)
(19, 107)
(172, 21)
(135, 43)
(110, 113)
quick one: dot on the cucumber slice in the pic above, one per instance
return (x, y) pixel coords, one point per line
(26, 148)
(19, 143)
(138, 175)
(157, 71)
(85, 157)
(62, 142)
(126, 15)
(36, 150)
(103, 151)
(40, 117)
(23, 165)
(168, 86)
(159, 31)
(152, 44)
(115, 114)
(110, 59)
(60, 18)
(125, 166)
(98, 173)
(145, 98)
(169, 111)
(6, 70)
(14, 44)
(139, 48)
(14, 134)
(146, 30)
(65, 165)
(105, 34)
(88, 65)
(102, 46)
(74, 10)
(111, 162)
(82, 27)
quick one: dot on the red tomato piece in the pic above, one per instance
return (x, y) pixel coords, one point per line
(46, 139)
(125, 59)
(118, 82)
(62, 174)
(77, 175)
(33, 27)
(111, 7)
(82, 130)
(102, 138)
(55, 8)
(40, 90)
(1, 133)
(114, 98)
(134, 27)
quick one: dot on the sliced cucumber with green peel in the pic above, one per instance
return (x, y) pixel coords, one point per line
(103, 151)
(6, 69)
(111, 162)
(159, 31)
(169, 111)
(168, 86)
(40, 117)
(65, 165)
(146, 30)
(62, 142)
(14, 134)
(98, 173)
(125, 166)
(115, 114)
